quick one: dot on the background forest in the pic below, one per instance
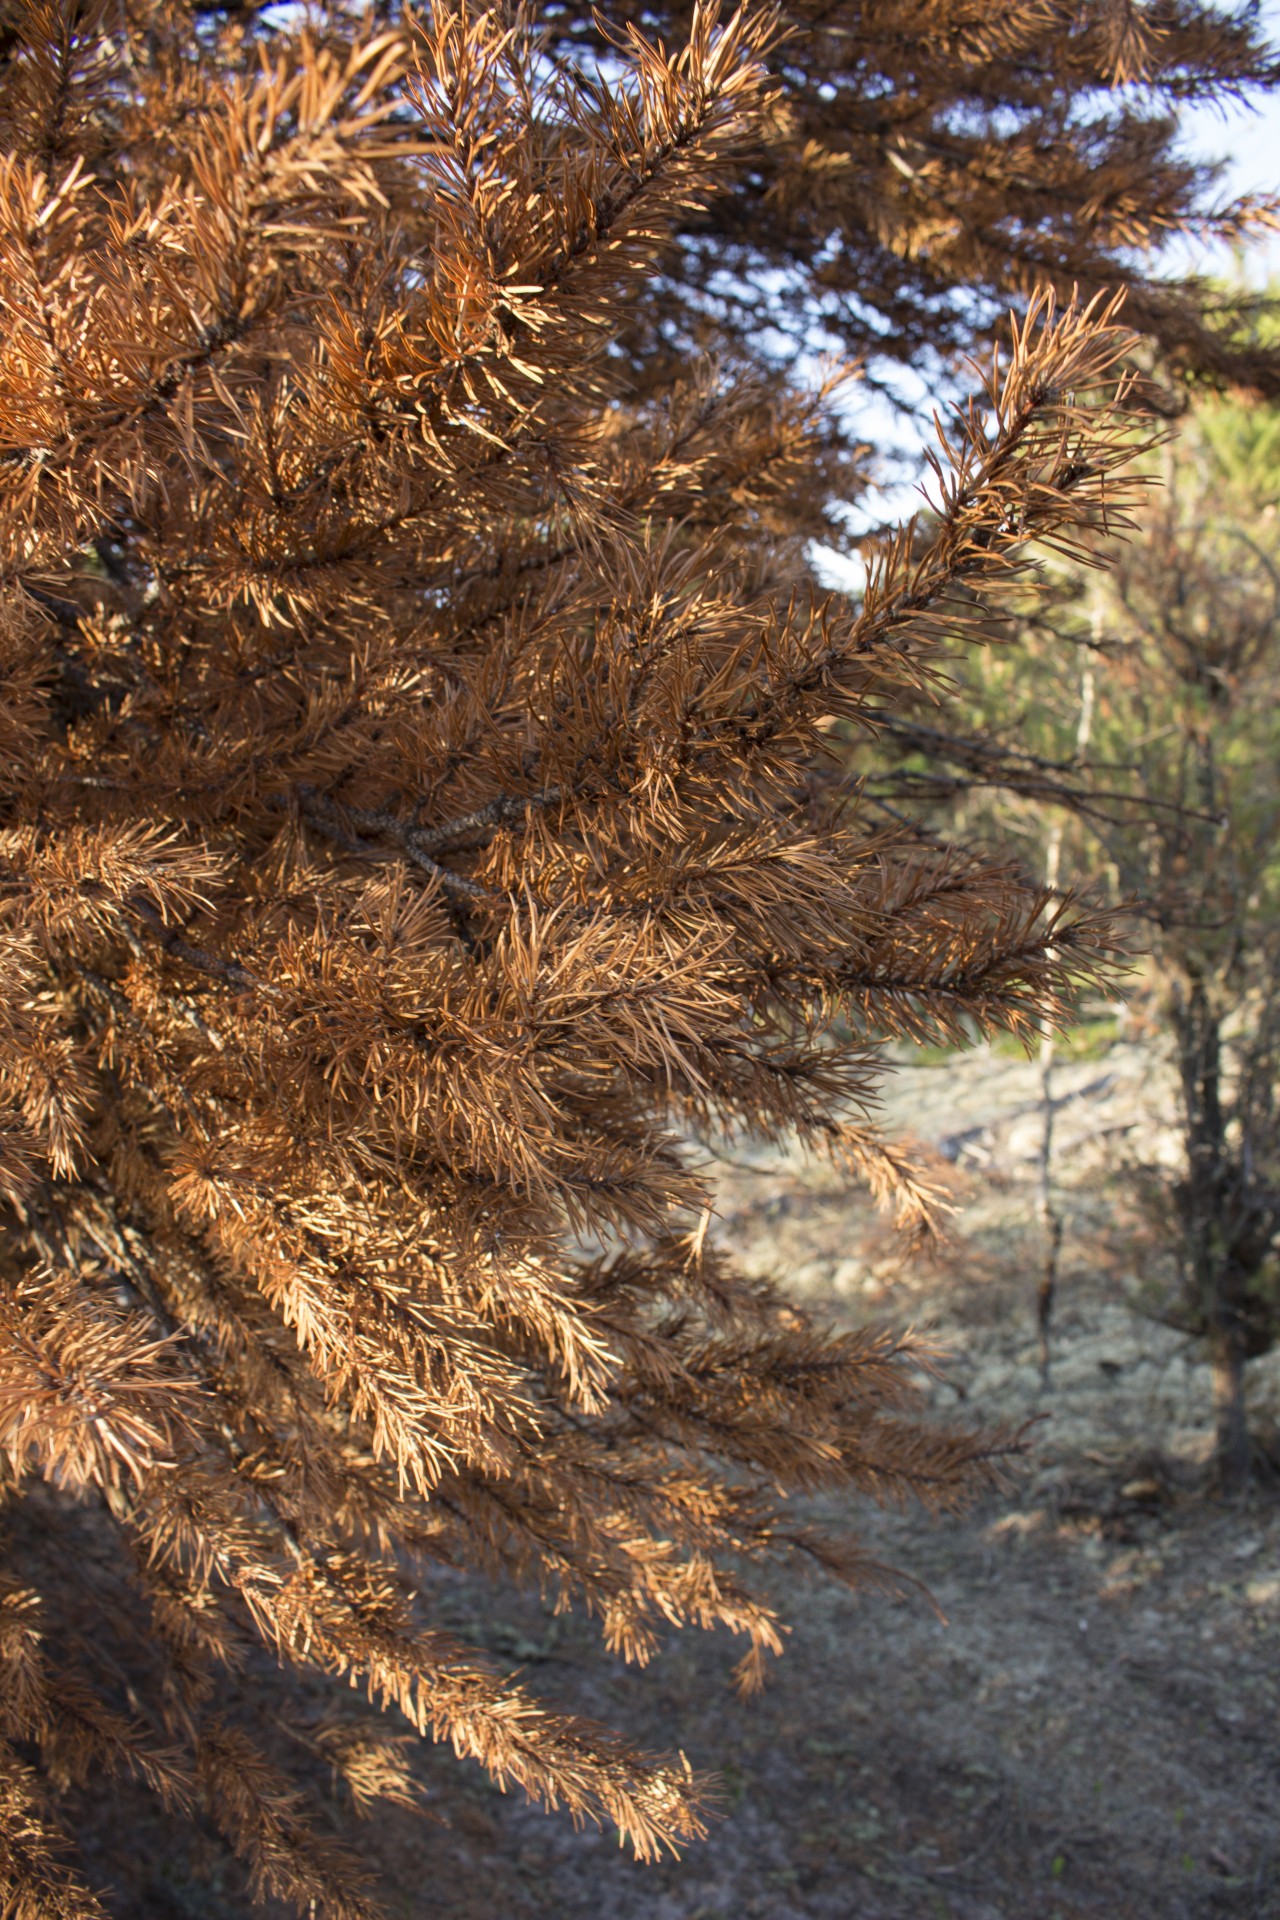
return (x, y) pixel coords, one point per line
(531, 1021)
(1091, 1730)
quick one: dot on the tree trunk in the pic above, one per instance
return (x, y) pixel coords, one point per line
(1050, 1218)
(1207, 1230)
(1047, 1214)
(1232, 1449)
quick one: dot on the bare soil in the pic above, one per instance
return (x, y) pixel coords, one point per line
(1090, 1731)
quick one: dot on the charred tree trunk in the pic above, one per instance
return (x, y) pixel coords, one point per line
(1232, 1447)
(1206, 1204)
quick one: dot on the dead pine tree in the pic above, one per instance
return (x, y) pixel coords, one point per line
(415, 825)
(1188, 697)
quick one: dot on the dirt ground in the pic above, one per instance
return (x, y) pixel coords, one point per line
(1092, 1731)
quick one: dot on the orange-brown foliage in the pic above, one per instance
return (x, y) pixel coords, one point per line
(414, 832)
